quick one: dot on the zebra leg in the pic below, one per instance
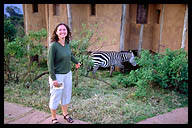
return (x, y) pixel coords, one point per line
(87, 73)
(88, 70)
(111, 70)
(121, 68)
(94, 70)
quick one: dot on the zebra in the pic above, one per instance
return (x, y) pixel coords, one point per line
(110, 59)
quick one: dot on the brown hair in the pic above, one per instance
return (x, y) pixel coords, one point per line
(54, 37)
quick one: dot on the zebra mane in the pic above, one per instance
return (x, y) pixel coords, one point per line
(129, 51)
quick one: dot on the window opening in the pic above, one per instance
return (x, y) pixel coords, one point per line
(142, 11)
(35, 8)
(158, 15)
(56, 9)
(93, 9)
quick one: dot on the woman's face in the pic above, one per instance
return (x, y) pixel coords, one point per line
(61, 32)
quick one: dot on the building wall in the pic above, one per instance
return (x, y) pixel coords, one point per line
(171, 32)
(131, 43)
(156, 27)
(79, 17)
(127, 28)
(108, 20)
(54, 20)
(186, 42)
(173, 26)
(34, 22)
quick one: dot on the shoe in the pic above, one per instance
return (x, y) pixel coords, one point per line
(68, 118)
(54, 121)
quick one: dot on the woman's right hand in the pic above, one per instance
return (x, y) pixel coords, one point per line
(55, 83)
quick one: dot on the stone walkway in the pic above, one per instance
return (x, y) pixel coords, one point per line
(177, 116)
(18, 114)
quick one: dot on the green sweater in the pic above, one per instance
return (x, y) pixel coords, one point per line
(59, 59)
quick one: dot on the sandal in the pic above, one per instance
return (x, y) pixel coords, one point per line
(68, 118)
(54, 121)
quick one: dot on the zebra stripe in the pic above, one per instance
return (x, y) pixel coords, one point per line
(106, 59)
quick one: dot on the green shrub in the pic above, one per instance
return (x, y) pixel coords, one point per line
(79, 47)
(142, 86)
(172, 70)
(9, 30)
(18, 53)
(168, 70)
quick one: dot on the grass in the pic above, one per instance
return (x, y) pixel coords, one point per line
(96, 102)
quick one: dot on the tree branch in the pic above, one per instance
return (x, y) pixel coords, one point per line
(37, 77)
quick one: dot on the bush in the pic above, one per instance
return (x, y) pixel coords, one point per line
(79, 47)
(172, 70)
(9, 30)
(168, 70)
(18, 53)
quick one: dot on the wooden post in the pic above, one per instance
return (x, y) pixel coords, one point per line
(122, 32)
(184, 28)
(140, 39)
(26, 20)
(28, 45)
(161, 27)
(69, 16)
(48, 26)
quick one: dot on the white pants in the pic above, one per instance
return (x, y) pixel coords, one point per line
(62, 96)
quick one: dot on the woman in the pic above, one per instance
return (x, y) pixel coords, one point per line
(59, 57)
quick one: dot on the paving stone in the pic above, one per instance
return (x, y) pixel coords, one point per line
(13, 111)
(62, 121)
(18, 114)
(177, 116)
(33, 117)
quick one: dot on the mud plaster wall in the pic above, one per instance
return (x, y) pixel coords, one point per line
(171, 33)
(156, 28)
(79, 17)
(132, 41)
(34, 22)
(55, 20)
(108, 18)
(173, 27)
(127, 28)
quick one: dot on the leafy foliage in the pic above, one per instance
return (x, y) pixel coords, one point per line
(96, 102)
(79, 47)
(172, 70)
(13, 11)
(9, 30)
(168, 70)
(14, 19)
(20, 50)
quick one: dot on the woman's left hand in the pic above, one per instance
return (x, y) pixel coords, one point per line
(78, 65)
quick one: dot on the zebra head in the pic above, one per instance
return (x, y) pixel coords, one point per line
(132, 59)
(129, 56)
